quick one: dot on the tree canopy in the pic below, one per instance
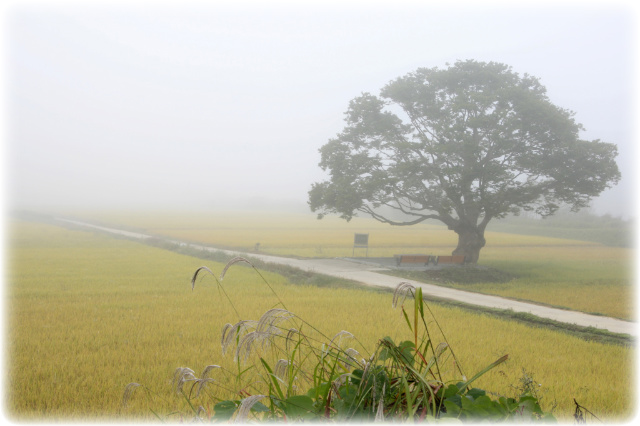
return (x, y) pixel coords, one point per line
(462, 145)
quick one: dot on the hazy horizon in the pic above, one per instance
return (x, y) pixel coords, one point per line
(224, 105)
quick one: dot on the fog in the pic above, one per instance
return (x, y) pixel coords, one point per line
(225, 105)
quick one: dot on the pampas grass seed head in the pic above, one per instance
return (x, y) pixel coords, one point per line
(232, 262)
(195, 275)
(128, 391)
(245, 407)
(400, 293)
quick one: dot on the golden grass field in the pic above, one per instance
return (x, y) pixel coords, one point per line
(577, 275)
(87, 314)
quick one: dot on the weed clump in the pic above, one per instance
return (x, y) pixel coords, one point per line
(289, 370)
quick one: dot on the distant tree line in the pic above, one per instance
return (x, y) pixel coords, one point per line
(583, 225)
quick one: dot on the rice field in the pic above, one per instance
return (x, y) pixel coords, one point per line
(290, 234)
(86, 314)
(572, 274)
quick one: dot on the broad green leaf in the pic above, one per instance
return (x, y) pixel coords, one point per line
(451, 390)
(452, 409)
(224, 410)
(299, 406)
(475, 393)
(259, 407)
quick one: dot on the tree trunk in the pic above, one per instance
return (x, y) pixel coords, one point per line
(470, 241)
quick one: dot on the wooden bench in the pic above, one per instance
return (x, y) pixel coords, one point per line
(403, 259)
(450, 259)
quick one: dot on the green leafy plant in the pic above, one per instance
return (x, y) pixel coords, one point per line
(289, 370)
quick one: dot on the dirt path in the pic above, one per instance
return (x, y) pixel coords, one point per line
(367, 274)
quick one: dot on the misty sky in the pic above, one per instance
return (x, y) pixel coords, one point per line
(213, 105)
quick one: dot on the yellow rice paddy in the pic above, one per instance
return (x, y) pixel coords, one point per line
(578, 275)
(87, 314)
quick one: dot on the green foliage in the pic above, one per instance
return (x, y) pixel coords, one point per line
(462, 145)
(397, 381)
(224, 410)
(474, 404)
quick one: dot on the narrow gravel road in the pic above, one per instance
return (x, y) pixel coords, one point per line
(367, 274)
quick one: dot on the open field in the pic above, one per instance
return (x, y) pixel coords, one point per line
(592, 279)
(88, 314)
(583, 225)
(577, 275)
(303, 235)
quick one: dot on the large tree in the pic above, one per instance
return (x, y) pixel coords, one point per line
(462, 145)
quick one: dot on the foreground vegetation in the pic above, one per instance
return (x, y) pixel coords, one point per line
(573, 274)
(401, 381)
(88, 314)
